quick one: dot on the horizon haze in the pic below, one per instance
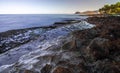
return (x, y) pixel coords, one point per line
(50, 6)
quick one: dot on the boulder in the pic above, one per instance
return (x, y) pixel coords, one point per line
(62, 70)
(28, 71)
(98, 48)
(106, 66)
(46, 69)
(71, 45)
(82, 68)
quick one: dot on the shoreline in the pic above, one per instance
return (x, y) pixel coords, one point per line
(50, 39)
(9, 39)
(93, 50)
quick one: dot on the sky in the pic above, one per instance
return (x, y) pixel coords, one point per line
(50, 6)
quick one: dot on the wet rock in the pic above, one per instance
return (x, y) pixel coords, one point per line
(49, 27)
(62, 63)
(86, 34)
(18, 70)
(98, 48)
(65, 22)
(82, 68)
(60, 23)
(46, 69)
(111, 69)
(29, 71)
(100, 53)
(71, 45)
(106, 66)
(73, 21)
(62, 70)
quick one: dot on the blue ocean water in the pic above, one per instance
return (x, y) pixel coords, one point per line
(21, 21)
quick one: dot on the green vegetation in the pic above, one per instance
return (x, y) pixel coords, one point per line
(110, 9)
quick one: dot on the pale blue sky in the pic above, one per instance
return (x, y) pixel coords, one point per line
(50, 6)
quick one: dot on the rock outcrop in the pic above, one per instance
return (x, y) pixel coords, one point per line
(94, 50)
(98, 48)
(62, 70)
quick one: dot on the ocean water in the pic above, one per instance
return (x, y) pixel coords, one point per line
(21, 21)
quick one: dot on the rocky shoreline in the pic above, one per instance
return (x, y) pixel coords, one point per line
(15, 38)
(94, 50)
(101, 50)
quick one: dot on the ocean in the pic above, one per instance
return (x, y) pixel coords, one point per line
(21, 21)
